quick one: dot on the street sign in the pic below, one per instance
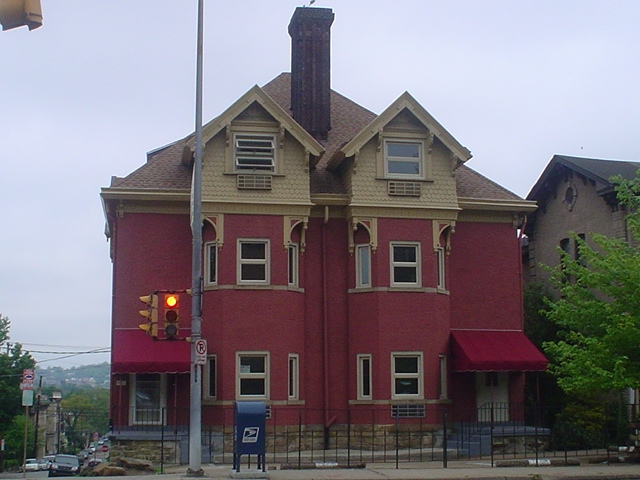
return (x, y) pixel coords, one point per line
(105, 448)
(27, 379)
(201, 352)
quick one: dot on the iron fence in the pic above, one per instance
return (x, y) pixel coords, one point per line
(297, 438)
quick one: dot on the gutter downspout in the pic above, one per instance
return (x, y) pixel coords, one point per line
(325, 331)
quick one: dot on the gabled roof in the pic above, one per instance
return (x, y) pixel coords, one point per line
(405, 101)
(257, 95)
(597, 170)
(165, 174)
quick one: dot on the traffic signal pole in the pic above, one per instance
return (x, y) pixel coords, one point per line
(195, 417)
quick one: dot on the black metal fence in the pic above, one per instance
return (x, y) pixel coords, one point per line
(299, 437)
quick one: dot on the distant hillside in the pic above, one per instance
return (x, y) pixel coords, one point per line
(90, 376)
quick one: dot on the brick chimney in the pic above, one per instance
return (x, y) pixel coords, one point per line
(310, 31)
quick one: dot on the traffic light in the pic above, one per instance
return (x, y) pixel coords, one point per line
(18, 13)
(171, 314)
(151, 313)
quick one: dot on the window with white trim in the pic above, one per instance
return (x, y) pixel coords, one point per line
(210, 378)
(254, 153)
(405, 264)
(147, 398)
(211, 263)
(406, 375)
(292, 252)
(364, 377)
(294, 376)
(253, 262)
(403, 159)
(440, 257)
(444, 376)
(252, 375)
(363, 266)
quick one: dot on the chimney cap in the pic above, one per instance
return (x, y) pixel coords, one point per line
(306, 14)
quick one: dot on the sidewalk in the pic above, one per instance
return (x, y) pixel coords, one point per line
(456, 470)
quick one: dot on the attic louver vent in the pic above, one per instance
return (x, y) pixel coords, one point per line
(254, 182)
(407, 411)
(406, 189)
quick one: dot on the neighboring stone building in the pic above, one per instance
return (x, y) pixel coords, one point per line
(573, 195)
(356, 270)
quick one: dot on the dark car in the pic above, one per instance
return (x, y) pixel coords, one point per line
(64, 465)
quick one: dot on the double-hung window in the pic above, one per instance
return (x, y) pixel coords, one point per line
(294, 377)
(364, 377)
(210, 378)
(211, 263)
(363, 266)
(254, 153)
(253, 375)
(406, 373)
(440, 258)
(148, 398)
(403, 159)
(253, 262)
(292, 252)
(405, 264)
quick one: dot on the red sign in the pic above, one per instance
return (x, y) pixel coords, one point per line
(105, 448)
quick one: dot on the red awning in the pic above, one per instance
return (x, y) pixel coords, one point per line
(492, 351)
(135, 352)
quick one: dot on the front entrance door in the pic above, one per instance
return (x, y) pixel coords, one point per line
(492, 390)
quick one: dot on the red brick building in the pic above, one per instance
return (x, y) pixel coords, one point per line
(354, 266)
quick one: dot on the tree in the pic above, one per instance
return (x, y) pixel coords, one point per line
(598, 312)
(85, 412)
(12, 362)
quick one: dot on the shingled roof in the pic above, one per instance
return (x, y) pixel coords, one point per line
(164, 170)
(597, 170)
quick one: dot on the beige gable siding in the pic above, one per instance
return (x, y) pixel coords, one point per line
(369, 188)
(292, 187)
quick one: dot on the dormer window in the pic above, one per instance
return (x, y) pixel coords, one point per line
(254, 153)
(403, 159)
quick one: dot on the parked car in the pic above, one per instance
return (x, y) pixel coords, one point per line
(64, 465)
(31, 465)
(45, 461)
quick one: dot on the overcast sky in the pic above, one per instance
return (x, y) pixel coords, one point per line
(102, 82)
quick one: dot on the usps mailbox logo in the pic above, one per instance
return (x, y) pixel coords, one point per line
(250, 434)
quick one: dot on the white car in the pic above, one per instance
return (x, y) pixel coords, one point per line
(31, 465)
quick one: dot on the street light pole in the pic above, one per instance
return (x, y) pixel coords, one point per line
(195, 417)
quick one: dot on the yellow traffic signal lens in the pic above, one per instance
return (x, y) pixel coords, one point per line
(171, 301)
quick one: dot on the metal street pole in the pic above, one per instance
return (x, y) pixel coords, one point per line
(195, 417)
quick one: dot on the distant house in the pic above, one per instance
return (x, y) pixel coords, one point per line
(355, 269)
(574, 195)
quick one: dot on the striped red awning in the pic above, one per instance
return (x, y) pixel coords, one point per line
(493, 351)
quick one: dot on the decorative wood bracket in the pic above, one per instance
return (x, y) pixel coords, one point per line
(290, 224)
(217, 222)
(371, 225)
(442, 235)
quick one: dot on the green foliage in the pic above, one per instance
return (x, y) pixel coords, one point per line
(14, 441)
(579, 426)
(84, 413)
(598, 313)
(12, 361)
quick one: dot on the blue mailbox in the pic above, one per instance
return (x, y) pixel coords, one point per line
(249, 432)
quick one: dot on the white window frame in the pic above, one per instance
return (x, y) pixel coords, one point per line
(253, 261)
(440, 266)
(261, 155)
(398, 264)
(293, 265)
(153, 415)
(364, 371)
(419, 161)
(244, 375)
(210, 378)
(210, 247)
(419, 375)
(293, 384)
(363, 265)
